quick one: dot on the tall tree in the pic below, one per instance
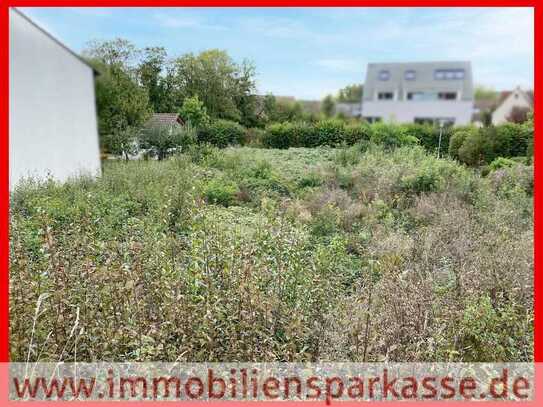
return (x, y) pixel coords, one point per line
(194, 112)
(350, 94)
(225, 87)
(118, 52)
(122, 104)
(485, 93)
(150, 72)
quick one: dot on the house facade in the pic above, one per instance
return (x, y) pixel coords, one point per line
(52, 112)
(515, 99)
(418, 92)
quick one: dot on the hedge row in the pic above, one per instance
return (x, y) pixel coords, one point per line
(335, 132)
(222, 133)
(473, 146)
(468, 144)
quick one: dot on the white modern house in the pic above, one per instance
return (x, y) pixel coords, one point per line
(52, 112)
(516, 99)
(418, 92)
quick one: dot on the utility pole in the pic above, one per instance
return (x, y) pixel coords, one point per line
(440, 135)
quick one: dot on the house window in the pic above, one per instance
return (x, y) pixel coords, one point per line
(447, 121)
(410, 75)
(385, 96)
(446, 95)
(415, 95)
(384, 75)
(448, 74)
(421, 96)
(459, 74)
(424, 120)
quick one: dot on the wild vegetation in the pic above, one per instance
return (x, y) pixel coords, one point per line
(361, 253)
(262, 232)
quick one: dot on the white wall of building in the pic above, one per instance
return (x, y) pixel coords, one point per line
(52, 113)
(517, 98)
(407, 111)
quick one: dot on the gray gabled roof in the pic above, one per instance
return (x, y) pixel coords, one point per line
(163, 119)
(424, 78)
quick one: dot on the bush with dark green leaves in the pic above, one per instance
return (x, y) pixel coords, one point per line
(457, 139)
(478, 147)
(391, 136)
(329, 133)
(356, 132)
(281, 135)
(221, 133)
(428, 136)
(220, 192)
(501, 162)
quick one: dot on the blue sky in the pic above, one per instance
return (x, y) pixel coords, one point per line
(310, 52)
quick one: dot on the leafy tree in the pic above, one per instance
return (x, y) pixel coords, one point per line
(223, 85)
(194, 112)
(486, 118)
(161, 140)
(484, 93)
(350, 94)
(289, 111)
(269, 107)
(122, 142)
(328, 106)
(149, 71)
(122, 104)
(282, 110)
(118, 52)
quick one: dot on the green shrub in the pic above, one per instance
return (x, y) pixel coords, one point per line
(424, 181)
(135, 255)
(254, 137)
(509, 180)
(348, 156)
(481, 146)
(279, 135)
(428, 136)
(491, 332)
(501, 162)
(194, 112)
(357, 132)
(476, 149)
(160, 141)
(391, 136)
(457, 139)
(329, 133)
(220, 193)
(306, 135)
(221, 133)
(513, 139)
(310, 180)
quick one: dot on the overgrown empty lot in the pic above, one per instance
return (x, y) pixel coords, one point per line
(249, 254)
